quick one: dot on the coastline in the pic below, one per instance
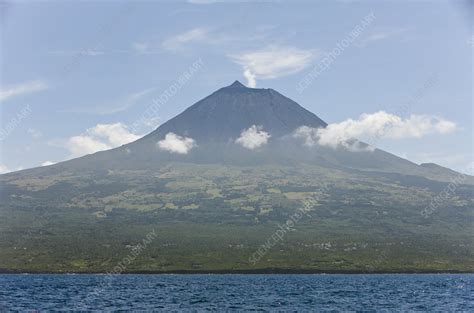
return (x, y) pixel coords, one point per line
(269, 271)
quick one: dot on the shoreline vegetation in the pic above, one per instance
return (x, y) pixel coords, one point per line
(270, 271)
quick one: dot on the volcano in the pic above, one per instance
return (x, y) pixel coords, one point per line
(217, 181)
(226, 112)
(215, 123)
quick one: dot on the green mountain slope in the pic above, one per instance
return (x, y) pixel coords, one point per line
(215, 217)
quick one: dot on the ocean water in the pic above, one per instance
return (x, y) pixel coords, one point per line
(424, 292)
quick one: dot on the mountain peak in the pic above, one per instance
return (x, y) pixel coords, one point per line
(237, 84)
(224, 114)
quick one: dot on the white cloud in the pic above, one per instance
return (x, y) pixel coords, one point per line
(83, 144)
(272, 62)
(116, 134)
(308, 134)
(46, 163)
(176, 144)
(100, 137)
(198, 34)
(253, 137)
(7, 92)
(371, 127)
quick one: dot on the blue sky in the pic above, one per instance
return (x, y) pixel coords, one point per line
(76, 76)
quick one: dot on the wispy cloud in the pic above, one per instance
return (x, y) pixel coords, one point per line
(272, 62)
(7, 92)
(146, 47)
(381, 35)
(253, 137)
(122, 104)
(379, 124)
(100, 137)
(82, 52)
(142, 47)
(127, 102)
(220, 38)
(199, 34)
(176, 144)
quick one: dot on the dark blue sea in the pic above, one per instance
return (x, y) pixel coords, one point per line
(424, 292)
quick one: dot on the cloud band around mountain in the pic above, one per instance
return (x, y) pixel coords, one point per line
(372, 127)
